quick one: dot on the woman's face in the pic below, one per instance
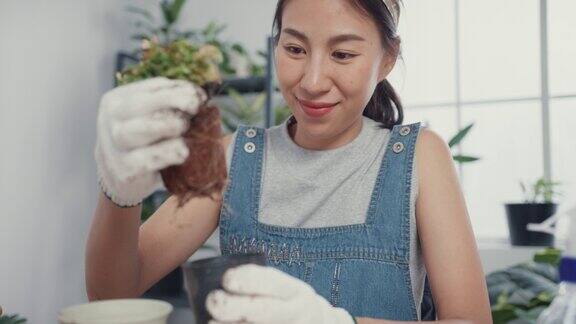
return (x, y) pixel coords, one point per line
(315, 65)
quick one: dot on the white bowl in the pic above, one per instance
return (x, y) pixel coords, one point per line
(117, 311)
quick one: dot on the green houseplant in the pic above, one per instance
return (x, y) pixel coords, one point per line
(538, 205)
(518, 294)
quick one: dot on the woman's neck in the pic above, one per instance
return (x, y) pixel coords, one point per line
(313, 143)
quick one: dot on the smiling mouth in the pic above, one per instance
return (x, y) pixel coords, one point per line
(315, 110)
(315, 105)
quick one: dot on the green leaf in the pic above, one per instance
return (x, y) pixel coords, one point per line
(549, 255)
(541, 190)
(229, 125)
(12, 319)
(465, 158)
(145, 26)
(167, 13)
(503, 316)
(530, 315)
(460, 135)
(187, 34)
(535, 277)
(176, 8)
(140, 11)
(140, 37)
(281, 113)
(518, 294)
(212, 30)
(262, 54)
(503, 312)
(259, 102)
(237, 97)
(239, 48)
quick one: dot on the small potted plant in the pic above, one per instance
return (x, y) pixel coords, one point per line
(538, 205)
(198, 64)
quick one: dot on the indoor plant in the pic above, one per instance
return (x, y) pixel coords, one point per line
(538, 205)
(521, 292)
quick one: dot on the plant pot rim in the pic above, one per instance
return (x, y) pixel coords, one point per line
(218, 260)
(529, 204)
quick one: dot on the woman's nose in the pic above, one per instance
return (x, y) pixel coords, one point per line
(316, 77)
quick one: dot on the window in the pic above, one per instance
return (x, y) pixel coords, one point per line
(483, 62)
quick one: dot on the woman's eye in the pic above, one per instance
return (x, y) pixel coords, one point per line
(293, 49)
(343, 56)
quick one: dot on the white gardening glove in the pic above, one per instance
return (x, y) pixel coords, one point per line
(139, 133)
(258, 294)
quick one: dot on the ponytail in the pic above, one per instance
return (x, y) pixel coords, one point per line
(385, 106)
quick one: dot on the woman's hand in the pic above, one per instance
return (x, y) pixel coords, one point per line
(258, 294)
(139, 133)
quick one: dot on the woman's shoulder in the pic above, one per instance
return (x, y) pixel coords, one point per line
(430, 142)
(433, 157)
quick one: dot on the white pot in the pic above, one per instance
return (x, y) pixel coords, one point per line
(117, 311)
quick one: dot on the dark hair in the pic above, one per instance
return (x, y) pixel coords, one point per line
(384, 105)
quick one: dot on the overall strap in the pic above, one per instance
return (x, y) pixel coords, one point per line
(240, 206)
(389, 209)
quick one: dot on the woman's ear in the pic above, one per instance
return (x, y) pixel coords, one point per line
(388, 61)
(386, 65)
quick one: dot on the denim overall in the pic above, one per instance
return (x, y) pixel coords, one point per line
(363, 268)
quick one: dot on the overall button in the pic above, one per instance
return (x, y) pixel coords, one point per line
(398, 147)
(405, 130)
(249, 147)
(251, 132)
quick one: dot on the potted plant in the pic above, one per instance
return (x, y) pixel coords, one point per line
(177, 60)
(538, 205)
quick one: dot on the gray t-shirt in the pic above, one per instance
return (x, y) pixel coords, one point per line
(321, 188)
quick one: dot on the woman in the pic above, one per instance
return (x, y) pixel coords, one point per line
(353, 209)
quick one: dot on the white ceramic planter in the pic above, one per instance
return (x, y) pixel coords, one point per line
(117, 311)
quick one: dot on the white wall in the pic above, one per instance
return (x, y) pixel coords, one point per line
(56, 60)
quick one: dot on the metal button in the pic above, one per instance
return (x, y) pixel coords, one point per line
(398, 147)
(249, 147)
(405, 130)
(251, 132)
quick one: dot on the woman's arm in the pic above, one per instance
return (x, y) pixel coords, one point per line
(448, 243)
(124, 258)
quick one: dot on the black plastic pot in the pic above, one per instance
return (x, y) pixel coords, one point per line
(169, 286)
(520, 215)
(203, 276)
